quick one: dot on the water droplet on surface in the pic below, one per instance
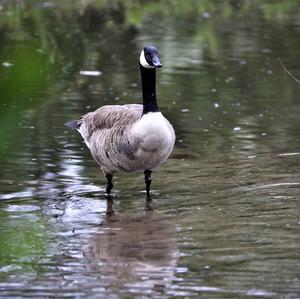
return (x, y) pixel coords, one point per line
(181, 270)
(229, 79)
(266, 50)
(7, 64)
(288, 154)
(184, 110)
(90, 73)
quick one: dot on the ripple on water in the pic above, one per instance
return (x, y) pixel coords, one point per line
(225, 222)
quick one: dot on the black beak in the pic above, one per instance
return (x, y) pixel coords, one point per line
(156, 62)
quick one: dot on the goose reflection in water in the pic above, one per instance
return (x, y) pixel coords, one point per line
(134, 251)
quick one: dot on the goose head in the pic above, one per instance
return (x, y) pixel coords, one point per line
(149, 58)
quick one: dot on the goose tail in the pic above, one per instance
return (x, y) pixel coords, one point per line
(73, 124)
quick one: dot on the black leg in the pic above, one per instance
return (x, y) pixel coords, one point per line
(109, 184)
(148, 181)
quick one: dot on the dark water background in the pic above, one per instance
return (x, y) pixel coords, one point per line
(226, 218)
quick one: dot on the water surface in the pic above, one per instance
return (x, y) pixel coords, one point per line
(225, 221)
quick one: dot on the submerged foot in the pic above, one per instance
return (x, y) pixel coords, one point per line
(148, 203)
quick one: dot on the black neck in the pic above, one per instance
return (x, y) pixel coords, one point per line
(149, 92)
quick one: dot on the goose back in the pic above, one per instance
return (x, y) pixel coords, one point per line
(108, 117)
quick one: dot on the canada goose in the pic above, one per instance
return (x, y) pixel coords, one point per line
(129, 137)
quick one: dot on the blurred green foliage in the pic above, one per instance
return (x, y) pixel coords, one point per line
(44, 44)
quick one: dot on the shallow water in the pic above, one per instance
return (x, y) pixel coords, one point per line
(225, 221)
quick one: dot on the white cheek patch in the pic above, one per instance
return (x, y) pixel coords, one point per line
(144, 62)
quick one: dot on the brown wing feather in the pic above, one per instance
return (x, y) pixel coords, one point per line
(109, 116)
